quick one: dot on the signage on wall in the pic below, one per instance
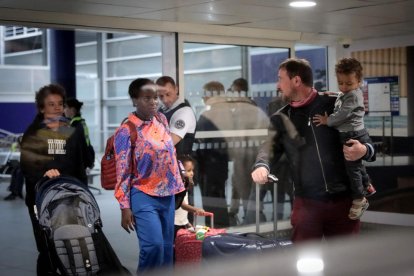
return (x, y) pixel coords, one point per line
(382, 96)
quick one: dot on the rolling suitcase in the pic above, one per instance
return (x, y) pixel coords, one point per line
(230, 245)
(187, 247)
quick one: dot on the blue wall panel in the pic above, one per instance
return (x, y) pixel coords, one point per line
(16, 117)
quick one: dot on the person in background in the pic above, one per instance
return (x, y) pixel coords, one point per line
(321, 188)
(212, 155)
(50, 147)
(281, 168)
(212, 89)
(180, 115)
(239, 86)
(181, 214)
(73, 112)
(181, 120)
(146, 198)
(244, 115)
(348, 119)
(17, 178)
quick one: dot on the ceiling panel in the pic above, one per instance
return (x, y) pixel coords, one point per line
(241, 10)
(80, 7)
(354, 18)
(150, 4)
(194, 17)
(397, 10)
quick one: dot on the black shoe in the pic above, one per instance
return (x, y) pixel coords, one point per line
(10, 197)
(20, 195)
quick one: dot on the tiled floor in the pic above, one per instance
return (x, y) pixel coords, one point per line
(18, 252)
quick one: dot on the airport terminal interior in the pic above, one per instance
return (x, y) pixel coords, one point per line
(96, 48)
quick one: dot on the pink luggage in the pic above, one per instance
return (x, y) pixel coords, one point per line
(188, 248)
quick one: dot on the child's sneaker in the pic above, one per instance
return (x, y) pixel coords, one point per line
(358, 208)
(370, 190)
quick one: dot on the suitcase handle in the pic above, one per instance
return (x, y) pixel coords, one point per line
(206, 214)
(271, 179)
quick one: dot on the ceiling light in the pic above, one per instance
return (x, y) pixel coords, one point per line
(302, 4)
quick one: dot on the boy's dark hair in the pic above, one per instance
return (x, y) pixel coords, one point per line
(348, 66)
(51, 89)
(134, 89)
(298, 67)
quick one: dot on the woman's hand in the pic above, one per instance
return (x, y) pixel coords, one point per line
(52, 173)
(128, 220)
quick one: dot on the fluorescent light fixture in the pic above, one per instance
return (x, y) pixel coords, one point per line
(302, 4)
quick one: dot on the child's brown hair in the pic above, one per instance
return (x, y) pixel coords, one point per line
(186, 158)
(348, 66)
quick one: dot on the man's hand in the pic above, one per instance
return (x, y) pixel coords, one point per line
(259, 175)
(52, 173)
(320, 119)
(354, 150)
(128, 220)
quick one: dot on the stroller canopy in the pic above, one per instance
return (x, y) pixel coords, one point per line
(65, 200)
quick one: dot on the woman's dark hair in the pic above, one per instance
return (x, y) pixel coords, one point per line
(72, 102)
(298, 67)
(51, 89)
(134, 89)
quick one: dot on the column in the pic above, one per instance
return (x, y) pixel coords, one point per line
(62, 60)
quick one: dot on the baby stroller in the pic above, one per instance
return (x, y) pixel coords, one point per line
(69, 218)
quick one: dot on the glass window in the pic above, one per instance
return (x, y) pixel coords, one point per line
(116, 114)
(85, 37)
(230, 88)
(118, 88)
(23, 44)
(102, 82)
(134, 45)
(212, 57)
(317, 56)
(32, 58)
(87, 70)
(86, 52)
(87, 82)
(134, 67)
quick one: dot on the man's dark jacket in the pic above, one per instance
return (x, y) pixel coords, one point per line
(315, 153)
